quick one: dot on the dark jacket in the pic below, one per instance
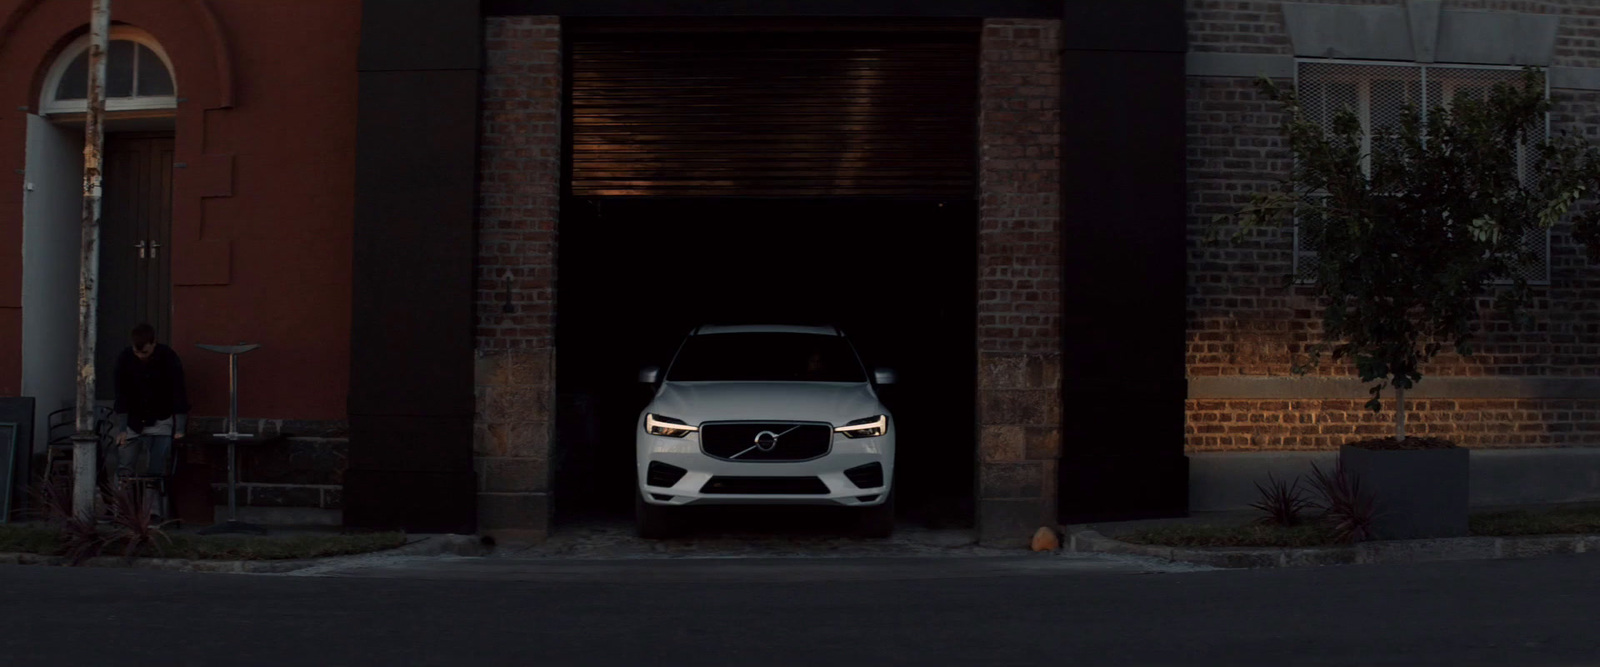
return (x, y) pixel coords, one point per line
(151, 390)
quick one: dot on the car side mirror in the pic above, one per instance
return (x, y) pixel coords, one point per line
(649, 374)
(883, 376)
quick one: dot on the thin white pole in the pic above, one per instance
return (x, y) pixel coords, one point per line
(86, 442)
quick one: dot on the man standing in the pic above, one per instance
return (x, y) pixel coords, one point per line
(152, 405)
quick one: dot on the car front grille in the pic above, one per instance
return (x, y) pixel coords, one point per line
(787, 486)
(758, 442)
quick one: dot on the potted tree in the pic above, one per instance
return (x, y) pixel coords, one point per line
(1411, 227)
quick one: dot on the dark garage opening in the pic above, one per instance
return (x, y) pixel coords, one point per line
(635, 275)
(770, 171)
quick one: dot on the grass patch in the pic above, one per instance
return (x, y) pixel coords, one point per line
(237, 547)
(1248, 535)
(28, 539)
(1566, 521)
(44, 539)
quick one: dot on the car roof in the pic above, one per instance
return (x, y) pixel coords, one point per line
(765, 328)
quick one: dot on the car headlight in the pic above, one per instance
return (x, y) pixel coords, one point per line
(871, 427)
(667, 426)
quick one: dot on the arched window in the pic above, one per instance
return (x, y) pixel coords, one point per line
(138, 76)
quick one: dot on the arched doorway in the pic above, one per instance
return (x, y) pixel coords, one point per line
(135, 229)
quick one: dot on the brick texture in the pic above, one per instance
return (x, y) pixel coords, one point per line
(518, 210)
(1232, 26)
(1244, 319)
(1019, 297)
(519, 192)
(1225, 425)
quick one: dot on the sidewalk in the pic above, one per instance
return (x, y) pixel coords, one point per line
(1103, 537)
(1238, 517)
(615, 539)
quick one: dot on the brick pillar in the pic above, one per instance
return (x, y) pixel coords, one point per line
(1019, 288)
(520, 168)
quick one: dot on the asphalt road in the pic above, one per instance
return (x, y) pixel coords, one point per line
(1037, 610)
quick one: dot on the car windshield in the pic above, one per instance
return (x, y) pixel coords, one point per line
(766, 357)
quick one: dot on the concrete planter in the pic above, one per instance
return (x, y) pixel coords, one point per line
(1419, 494)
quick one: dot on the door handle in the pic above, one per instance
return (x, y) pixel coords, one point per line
(154, 247)
(140, 246)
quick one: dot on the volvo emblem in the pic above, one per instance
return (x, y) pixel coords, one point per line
(766, 440)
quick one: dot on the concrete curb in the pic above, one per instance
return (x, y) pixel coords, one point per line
(1085, 540)
(416, 545)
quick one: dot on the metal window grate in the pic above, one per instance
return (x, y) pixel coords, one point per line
(1379, 95)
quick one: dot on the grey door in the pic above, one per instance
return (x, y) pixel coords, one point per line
(52, 219)
(135, 235)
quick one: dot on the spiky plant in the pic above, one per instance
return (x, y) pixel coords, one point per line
(1280, 502)
(80, 536)
(133, 526)
(1349, 509)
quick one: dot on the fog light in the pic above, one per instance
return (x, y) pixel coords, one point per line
(869, 476)
(663, 475)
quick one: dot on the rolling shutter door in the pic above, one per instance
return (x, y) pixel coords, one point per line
(763, 110)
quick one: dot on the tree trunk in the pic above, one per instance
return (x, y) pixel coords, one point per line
(1399, 414)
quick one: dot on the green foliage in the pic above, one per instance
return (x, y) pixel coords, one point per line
(52, 540)
(1558, 521)
(1410, 234)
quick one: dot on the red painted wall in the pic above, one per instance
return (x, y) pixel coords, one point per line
(261, 211)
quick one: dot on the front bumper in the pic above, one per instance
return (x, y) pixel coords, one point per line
(685, 453)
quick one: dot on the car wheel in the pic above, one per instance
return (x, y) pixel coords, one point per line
(653, 522)
(877, 521)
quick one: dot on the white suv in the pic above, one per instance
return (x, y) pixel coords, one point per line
(765, 415)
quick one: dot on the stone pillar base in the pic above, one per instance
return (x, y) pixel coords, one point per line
(514, 518)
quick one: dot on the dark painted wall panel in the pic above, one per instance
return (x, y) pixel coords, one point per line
(1124, 193)
(411, 399)
(1124, 25)
(412, 343)
(417, 502)
(420, 35)
(411, 443)
(1123, 196)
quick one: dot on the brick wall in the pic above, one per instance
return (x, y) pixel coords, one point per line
(1019, 299)
(1256, 26)
(1244, 320)
(1250, 424)
(520, 164)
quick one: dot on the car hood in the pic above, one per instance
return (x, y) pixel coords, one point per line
(698, 402)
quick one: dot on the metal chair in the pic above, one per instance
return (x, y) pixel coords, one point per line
(59, 428)
(61, 425)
